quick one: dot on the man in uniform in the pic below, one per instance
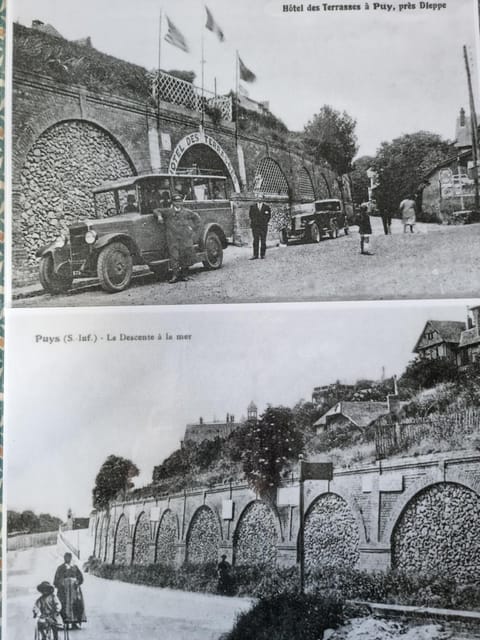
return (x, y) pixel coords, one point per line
(260, 214)
(181, 226)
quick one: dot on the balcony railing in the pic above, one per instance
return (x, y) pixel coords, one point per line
(177, 91)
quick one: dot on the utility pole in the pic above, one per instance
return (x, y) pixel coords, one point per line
(474, 127)
(301, 533)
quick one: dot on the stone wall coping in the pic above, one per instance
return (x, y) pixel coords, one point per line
(426, 612)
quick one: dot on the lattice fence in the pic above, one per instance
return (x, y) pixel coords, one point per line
(178, 91)
(305, 185)
(392, 437)
(269, 178)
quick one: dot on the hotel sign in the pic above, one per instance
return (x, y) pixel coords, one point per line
(200, 137)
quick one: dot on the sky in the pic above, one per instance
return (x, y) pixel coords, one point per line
(71, 404)
(396, 72)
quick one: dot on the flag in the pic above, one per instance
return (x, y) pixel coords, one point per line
(242, 91)
(245, 74)
(175, 37)
(211, 25)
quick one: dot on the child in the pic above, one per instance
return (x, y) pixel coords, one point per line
(47, 609)
(364, 229)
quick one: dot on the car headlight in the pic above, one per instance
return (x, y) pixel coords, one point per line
(90, 236)
(60, 241)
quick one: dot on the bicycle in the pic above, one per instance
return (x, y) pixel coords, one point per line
(46, 630)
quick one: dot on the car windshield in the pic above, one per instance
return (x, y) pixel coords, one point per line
(116, 201)
(327, 205)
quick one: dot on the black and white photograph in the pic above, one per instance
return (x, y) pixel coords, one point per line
(176, 152)
(238, 473)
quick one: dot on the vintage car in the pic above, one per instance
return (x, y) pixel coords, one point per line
(313, 221)
(128, 230)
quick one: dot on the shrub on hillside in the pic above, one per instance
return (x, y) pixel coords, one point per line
(424, 374)
(288, 616)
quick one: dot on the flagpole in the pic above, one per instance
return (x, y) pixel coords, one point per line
(236, 97)
(203, 79)
(159, 67)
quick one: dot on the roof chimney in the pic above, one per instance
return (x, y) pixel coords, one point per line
(462, 117)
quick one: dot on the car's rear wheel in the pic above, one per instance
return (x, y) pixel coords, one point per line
(115, 267)
(49, 280)
(315, 235)
(213, 251)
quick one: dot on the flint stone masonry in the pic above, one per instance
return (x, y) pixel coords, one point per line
(121, 542)
(203, 538)
(141, 542)
(331, 534)
(255, 541)
(60, 171)
(435, 516)
(439, 532)
(166, 538)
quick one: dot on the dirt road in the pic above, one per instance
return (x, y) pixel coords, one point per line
(116, 609)
(436, 261)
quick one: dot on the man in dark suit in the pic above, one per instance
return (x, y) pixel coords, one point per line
(259, 218)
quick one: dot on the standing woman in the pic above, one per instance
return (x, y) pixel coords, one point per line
(68, 579)
(409, 213)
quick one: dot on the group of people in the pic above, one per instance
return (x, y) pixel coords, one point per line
(408, 213)
(60, 604)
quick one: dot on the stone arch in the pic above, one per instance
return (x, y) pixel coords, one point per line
(166, 538)
(95, 540)
(438, 531)
(306, 189)
(108, 555)
(256, 535)
(424, 483)
(324, 187)
(331, 533)
(59, 171)
(190, 143)
(270, 179)
(104, 540)
(120, 543)
(203, 537)
(47, 119)
(141, 540)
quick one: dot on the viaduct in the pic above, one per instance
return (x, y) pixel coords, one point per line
(414, 514)
(77, 123)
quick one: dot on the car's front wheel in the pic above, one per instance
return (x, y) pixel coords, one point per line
(213, 251)
(315, 235)
(49, 280)
(115, 267)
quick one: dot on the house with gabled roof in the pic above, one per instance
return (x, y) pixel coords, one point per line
(440, 339)
(458, 342)
(354, 414)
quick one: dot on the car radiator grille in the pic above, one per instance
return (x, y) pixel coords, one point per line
(80, 248)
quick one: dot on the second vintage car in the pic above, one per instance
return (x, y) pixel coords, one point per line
(313, 221)
(128, 231)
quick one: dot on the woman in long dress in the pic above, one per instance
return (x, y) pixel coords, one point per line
(408, 213)
(68, 580)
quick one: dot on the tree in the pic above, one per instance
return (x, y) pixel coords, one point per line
(268, 445)
(403, 163)
(359, 179)
(114, 477)
(425, 374)
(330, 136)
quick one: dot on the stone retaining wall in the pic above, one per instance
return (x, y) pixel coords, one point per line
(418, 514)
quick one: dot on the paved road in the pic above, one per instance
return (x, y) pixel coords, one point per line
(115, 609)
(436, 261)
